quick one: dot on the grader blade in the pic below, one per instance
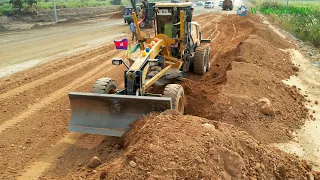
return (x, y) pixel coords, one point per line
(110, 114)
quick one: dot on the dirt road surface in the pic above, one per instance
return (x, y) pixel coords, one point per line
(248, 64)
(20, 50)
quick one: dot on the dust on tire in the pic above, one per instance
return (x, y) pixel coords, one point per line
(175, 91)
(105, 86)
(199, 64)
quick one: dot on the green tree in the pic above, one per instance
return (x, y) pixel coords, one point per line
(17, 4)
(31, 2)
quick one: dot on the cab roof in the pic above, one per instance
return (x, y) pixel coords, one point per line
(185, 4)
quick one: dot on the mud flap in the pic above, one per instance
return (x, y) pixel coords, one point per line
(110, 114)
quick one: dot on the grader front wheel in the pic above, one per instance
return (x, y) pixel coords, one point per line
(176, 92)
(105, 86)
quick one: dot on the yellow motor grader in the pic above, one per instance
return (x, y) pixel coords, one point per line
(163, 59)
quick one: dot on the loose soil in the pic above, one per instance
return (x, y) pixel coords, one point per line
(189, 147)
(247, 66)
(229, 138)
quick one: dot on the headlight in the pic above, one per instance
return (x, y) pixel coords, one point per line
(130, 76)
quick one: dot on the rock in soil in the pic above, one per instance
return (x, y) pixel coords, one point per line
(94, 162)
(266, 106)
(132, 164)
(295, 68)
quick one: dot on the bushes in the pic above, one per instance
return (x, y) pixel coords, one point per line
(5, 7)
(304, 25)
(73, 4)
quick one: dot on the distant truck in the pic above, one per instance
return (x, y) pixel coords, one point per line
(127, 14)
(227, 4)
(209, 4)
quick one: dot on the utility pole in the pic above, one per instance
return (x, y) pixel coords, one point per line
(287, 6)
(134, 5)
(55, 11)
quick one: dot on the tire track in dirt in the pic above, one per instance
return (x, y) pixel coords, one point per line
(202, 18)
(49, 48)
(234, 31)
(51, 77)
(217, 20)
(208, 24)
(43, 163)
(47, 126)
(43, 69)
(226, 44)
(25, 99)
(35, 170)
(52, 97)
(207, 27)
(226, 41)
(215, 30)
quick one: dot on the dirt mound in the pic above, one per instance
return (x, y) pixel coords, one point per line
(248, 65)
(180, 147)
(117, 15)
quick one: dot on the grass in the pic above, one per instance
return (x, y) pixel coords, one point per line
(303, 26)
(72, 4)
(5, 7)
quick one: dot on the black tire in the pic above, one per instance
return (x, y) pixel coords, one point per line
(208, 58)
(176, 92)
(125, 21)
(129, 22)
(199, 64)
(105, 86)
